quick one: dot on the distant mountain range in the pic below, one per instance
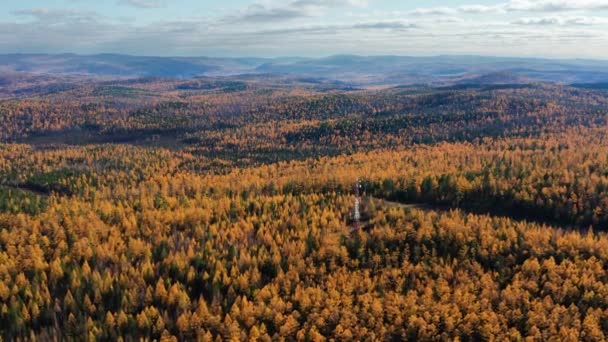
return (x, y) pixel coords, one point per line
(356, 70)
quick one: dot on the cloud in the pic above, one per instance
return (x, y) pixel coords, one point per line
(56, 31)
(556, 5)
(448, 20)
(563, 21)
(516, 6)
(478, 9)
(330, 3)
(54, 15)
(144, 3)
(333, 29)
(465, 9)
(434, 11)
(537, 21)
(259, 13)
(382, 25)
(291, 10)
(317, 27)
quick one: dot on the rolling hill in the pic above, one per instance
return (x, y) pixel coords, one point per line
(356, 70)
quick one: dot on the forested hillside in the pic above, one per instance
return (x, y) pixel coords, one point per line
(223, 208)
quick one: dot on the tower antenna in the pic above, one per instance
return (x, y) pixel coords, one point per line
(357, 207)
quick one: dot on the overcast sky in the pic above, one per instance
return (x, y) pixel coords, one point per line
(272, 28)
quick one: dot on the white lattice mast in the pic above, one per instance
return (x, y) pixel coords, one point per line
(357, 207)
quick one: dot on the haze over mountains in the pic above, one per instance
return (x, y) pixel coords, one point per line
(356, 70)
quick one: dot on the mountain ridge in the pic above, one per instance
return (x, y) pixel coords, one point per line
(355, 69)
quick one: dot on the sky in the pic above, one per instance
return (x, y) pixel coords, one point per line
(307, 28)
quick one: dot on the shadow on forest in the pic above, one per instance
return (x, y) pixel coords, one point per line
(513, 212)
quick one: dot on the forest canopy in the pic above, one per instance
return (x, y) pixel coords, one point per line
(224, 209)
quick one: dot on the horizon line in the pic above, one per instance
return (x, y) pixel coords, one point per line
(300, 57)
